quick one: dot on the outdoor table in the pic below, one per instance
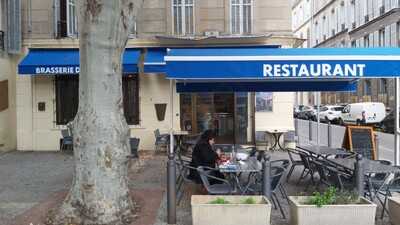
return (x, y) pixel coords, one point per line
(370, 166)
(178, 136)
(236, 168)
(322, 151)
(277, 134)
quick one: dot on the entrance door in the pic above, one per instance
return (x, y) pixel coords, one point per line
(215, 111)
(243, 119)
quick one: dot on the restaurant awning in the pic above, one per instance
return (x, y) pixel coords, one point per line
(269, 86)
(154, 60)
(66, 61)
(282, 64)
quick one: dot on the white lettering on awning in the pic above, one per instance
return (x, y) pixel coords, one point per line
(314, 70)
(57, 70)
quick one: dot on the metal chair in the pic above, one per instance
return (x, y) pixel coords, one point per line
(162, 140)
(277, 173)
(67, 140)
(294, 162)
(392, 186)
(184, 169)
(134, 144)
(308, 167)
(225, 188)
(284, 163)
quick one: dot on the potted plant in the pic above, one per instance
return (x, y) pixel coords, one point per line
(230, 210)
(394, 210)
(331, 208)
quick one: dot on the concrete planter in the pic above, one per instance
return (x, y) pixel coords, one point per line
(235, 213)
(394, 210)
(355, 214)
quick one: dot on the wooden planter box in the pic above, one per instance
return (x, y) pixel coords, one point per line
(394, 210)
(355, 214)
(235, 213)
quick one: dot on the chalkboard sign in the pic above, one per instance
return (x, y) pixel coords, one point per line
(361, 140)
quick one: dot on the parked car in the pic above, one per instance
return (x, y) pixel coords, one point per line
(297, 110)
(363, 113)
(330, 113)
(306, 114)
(387, 125)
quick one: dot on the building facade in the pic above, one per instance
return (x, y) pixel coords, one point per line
(46, 103)
(357, 24)
(10, 42)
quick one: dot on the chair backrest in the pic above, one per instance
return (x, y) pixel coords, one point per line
(276, 176)
(284, 163)
(203, 176)
(65, 133)
(134, 142)
(291, 153)
(157, 133)
(321, 170)
(305, 159)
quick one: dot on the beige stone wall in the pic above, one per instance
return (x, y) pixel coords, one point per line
(8, 134)
(272, 16)
(37, 19)
(281, 116)
(38, 131)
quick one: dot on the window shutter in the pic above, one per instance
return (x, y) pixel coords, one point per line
(14, 26)
(62, 19)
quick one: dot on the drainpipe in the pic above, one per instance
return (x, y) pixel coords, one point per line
(396, 120)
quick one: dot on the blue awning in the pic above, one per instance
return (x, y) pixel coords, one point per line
(268, 86)
(154, 60)
(284, 64)
(66, 61)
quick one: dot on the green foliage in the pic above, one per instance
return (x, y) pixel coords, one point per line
(219, 201)
(326, 198)
(249, 200)
(332, 197)
(344, 198)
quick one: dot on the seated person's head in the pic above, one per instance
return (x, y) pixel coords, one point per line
(208, 136)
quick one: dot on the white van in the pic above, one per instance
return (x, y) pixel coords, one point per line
(363, 113)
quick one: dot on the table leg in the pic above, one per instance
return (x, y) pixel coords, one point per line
(275, 141)
(278, 139)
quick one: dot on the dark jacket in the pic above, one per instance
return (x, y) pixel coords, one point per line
(203, 155)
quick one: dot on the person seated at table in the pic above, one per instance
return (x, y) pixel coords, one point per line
(204, 155)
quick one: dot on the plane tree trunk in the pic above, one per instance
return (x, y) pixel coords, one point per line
(99, 193)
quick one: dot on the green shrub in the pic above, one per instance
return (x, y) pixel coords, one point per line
(219, 201)
(332, 197)
(249, 200)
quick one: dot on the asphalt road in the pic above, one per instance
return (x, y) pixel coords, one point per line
(385, 141)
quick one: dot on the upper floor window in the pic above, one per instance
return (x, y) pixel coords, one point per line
(241, 16)
(183, 15)
(381, 37)
(67, 21)
(72, 20)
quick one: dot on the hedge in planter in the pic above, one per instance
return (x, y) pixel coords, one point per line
(331, 209)
(230, 210)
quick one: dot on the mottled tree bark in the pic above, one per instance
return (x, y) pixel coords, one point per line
(99, 194)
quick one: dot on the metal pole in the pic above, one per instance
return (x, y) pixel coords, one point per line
(310, 122)
(396, 120)
(329, 135)
(266, 187)
(318, 119)
(171, 167)
(359, 171)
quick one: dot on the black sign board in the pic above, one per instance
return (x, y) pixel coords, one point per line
(361, 140)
